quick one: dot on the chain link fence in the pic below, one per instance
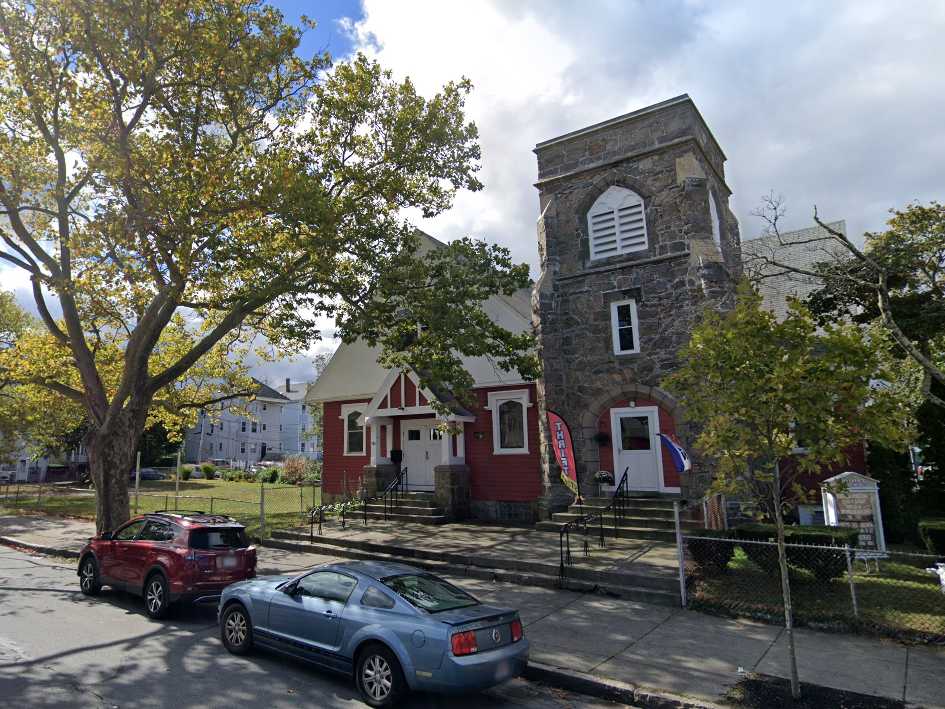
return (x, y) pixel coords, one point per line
(260, 507)
(894, 594)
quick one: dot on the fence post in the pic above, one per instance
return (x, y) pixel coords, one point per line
(262, 509)
(680, 556)
(301, 500)
(856, 610)
(211, 505)
(177, 483)
(137, 480)
(16, 500)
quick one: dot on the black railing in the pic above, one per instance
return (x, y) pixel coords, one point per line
(394, 493)
(619, 505)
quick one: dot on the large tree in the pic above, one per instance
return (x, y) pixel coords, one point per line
(897, 278)
(175, 177)
(755, 385)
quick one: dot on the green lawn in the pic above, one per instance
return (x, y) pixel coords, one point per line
(284, 504)
(900, 600)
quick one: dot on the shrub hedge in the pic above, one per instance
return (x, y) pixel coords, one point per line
(932, 532)
(711, 555)
(825, 564)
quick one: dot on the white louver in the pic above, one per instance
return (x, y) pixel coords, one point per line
(616, 223)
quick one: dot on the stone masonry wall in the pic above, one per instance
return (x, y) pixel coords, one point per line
(670, 160)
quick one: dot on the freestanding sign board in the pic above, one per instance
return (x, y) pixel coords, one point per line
(564, 451)
(852, 500)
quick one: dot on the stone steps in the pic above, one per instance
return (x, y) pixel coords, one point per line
(641, 533)
(658, 588)
(411, 508)
(632, 520)
(415, 518)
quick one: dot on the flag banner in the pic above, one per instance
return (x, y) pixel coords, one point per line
(564, 451)
(677, 453)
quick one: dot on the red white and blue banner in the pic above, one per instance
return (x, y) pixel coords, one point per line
(680, 458)
(564, 450)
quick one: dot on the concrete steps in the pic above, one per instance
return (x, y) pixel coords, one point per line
(660, 589)
(648, 518)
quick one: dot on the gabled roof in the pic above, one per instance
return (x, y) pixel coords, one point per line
(264, 391)
(353, 372)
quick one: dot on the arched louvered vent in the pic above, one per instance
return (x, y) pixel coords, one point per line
(616, 223)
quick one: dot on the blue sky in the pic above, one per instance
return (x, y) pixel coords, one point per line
(837, 104)
(327, 35)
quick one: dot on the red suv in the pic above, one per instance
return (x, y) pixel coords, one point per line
(168, 557)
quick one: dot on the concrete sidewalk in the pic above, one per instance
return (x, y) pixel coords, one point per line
(651, 647)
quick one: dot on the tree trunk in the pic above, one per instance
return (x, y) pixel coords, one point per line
(111, 459)
(785, 586)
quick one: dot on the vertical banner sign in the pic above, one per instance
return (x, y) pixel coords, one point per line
(564, 451)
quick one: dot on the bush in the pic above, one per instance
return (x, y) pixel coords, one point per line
(932, 532)
(313, 472)
(208, 469)
(186, 471)
(294, 469)
(825, 564)
(711, 555)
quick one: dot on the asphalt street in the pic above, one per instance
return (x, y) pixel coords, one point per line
(59, 648)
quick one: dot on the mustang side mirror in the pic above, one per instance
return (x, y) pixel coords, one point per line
(291, 589)
(106, 535)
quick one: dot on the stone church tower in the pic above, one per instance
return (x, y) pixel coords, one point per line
(636, 239)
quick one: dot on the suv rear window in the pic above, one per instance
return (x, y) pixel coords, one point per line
(218, 538)
(429, 593)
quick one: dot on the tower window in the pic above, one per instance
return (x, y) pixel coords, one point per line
(616, 223)
(624, 328)
(714, 218)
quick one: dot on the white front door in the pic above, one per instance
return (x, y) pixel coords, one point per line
(422, 446)
(636, 443)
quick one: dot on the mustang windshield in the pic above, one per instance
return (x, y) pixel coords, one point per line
(429, 593)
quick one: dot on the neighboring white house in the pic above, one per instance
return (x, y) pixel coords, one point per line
(802, 249)
(25, 466)
(299, 436)
(229, 435)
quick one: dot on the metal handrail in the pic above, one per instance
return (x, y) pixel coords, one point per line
(392, 493)
(618, 505)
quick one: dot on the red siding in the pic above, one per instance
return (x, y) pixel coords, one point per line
(667, 426)
(504, 478)
(394, 394)
(336, 464)
(855, 461)
(410, 392)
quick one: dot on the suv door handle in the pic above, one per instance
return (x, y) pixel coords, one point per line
(328, 614)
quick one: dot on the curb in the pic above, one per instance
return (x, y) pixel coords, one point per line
(52, 551)
(608, 689)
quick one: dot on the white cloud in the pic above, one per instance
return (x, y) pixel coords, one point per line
(836, 104)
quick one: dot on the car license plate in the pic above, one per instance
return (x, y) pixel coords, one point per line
(227, 562)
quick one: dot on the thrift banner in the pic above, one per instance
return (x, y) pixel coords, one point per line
(564, 451)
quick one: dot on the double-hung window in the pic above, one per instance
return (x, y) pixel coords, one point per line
(624, 327)
(351, 415)
(509, 421)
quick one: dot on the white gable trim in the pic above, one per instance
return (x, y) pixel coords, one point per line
(392, 379)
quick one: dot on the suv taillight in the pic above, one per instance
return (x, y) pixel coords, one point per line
(516, 627)
(464, 643)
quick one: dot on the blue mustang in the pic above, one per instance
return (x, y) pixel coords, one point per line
(394, 627)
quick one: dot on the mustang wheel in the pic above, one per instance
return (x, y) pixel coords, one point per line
(88, 577)
(380, 680)
(156, 600)
(236, 630)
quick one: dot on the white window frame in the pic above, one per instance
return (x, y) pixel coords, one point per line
(608, 207)
(495, 400)
(347, 410)
(615, 326)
